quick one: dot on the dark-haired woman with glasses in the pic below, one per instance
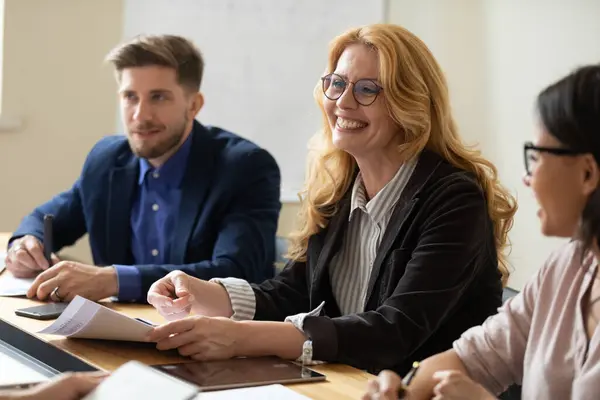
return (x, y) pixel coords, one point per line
(547, 338)
(400, 242)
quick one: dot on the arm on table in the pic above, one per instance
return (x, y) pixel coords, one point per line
(441, 267)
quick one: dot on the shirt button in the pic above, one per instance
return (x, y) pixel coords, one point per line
(155, 207)
(154, 252)
(155, 175)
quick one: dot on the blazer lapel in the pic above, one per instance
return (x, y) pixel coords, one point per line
(194, 188)
(426, 166)
(122, 185)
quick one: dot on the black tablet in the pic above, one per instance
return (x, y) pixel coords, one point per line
(26, 360)
(240, 372)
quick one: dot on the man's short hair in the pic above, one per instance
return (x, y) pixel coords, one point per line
(161, 50)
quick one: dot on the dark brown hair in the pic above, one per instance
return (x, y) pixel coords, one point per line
(570, 111)
(161, 50)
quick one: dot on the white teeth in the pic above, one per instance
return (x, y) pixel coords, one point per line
(349, 124)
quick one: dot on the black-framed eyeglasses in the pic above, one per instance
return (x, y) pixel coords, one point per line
(365, 91)
(531, 153)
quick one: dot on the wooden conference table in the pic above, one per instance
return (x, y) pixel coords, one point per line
(343, 382)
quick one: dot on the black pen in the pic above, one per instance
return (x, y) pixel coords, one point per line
(48, 238)
(408, 379)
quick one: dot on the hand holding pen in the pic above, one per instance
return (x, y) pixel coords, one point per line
(389, 386)
(402, 391)
(27, 256)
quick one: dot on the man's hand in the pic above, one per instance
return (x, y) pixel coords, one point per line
(73, 278)
(25, 258)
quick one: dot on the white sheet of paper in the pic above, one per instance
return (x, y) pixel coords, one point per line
(135, 380)
(13, 372)
(276, 391)
(11, 286)
(2, 260)
(86, 319)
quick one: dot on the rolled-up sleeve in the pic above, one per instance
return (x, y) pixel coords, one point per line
(241, 295)
(493, 352)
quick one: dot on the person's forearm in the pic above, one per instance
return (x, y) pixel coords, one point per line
(211, 299)
(264, 338)
(423, 383)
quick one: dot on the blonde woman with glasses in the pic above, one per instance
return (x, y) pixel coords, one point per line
(401, 236)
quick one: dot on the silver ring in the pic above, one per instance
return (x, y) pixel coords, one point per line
(56, 295)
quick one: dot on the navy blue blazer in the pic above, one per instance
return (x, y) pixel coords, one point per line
(227, 216)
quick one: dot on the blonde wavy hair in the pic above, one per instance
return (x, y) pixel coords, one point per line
(416, 95)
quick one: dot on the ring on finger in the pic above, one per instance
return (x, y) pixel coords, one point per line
(56, 295)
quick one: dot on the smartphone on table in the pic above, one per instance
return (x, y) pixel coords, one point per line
(43, 312)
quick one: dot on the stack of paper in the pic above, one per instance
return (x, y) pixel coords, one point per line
(86, 319)
(11, 286)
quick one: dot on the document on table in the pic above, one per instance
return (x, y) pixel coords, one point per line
(11, 286)
(277, 391)
(86, 319)
(2, 261)
(134, 380)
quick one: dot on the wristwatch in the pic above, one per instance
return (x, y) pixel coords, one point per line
(307, 352)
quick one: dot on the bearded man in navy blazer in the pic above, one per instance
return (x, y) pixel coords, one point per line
(171, 195)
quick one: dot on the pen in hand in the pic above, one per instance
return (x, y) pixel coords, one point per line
(48, 238)
(407, 379)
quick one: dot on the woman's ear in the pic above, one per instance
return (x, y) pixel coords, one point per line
(591, 174)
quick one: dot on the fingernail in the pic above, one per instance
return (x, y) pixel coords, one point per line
(191, 297)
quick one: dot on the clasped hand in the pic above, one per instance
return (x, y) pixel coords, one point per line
(449, 385)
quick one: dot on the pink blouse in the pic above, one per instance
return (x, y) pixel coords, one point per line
(538, 338)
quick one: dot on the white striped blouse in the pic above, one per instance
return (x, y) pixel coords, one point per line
(351, 266)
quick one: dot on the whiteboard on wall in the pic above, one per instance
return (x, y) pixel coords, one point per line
(263, 60)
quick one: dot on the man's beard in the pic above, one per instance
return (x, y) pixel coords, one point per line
(171, 140)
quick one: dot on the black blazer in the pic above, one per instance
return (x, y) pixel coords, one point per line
(434, 276)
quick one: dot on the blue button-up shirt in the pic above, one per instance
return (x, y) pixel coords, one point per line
(153, 216)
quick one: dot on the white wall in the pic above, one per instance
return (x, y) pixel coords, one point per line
(498, 54)
(263, 60)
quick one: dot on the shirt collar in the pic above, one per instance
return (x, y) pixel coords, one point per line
(386, 198)
(172, 171)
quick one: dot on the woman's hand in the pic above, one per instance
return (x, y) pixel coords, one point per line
(201, 338)
(456, 385)
(387, 386)
(173, 295)
(178, 294)
(70, 386)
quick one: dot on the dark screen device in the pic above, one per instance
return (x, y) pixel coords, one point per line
(44, 312)
(240, 372)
